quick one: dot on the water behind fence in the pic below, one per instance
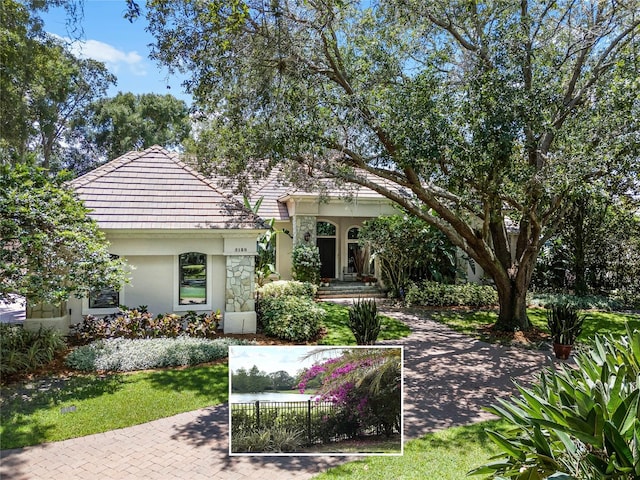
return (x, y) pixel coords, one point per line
(321, 422)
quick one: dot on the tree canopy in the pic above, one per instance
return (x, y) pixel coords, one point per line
(480, 118)
(49, 247)
(110, 127)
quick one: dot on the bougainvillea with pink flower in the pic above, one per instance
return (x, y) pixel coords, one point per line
(366, 384)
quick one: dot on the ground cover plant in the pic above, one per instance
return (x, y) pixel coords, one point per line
(32, 412)
(338, 332)
(126, 355)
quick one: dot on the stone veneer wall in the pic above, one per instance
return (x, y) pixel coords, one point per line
(301, 225)
(46, 310)
(240, 283)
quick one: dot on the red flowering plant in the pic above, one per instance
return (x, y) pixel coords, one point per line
(365, 384)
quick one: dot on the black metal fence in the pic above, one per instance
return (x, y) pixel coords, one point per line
(321, 422)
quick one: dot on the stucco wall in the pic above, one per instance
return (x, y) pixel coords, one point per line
(284, 247)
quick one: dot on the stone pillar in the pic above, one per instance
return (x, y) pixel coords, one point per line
(303, 224)
(46, 315)
(240, 308)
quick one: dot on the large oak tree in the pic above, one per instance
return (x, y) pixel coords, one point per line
(486, 114)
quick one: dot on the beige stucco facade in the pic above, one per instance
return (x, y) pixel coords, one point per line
(306, 211)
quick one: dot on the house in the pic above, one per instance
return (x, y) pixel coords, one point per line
(330, 220)
(190, 246)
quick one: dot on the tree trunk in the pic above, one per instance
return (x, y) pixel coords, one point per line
(512, 295)
(579, 259)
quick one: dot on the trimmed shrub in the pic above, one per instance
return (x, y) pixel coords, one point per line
(575, 423)
(588, 302)
(291, 318)
(306, 263)
(124, 355)
(283, 288)
(23, 350)
(435, 294)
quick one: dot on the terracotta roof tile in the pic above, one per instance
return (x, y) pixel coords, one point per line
(154, 189)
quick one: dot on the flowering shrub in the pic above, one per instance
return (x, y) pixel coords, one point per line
(306, 263)
(366, 384)
(291, 318)
(121, 354)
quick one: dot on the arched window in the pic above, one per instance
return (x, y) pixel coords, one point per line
(325, 229)
(192, 268)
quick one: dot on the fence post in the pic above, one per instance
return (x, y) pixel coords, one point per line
(309, 420)
(257, 414)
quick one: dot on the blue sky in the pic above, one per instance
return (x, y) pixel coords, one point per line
(121, 45)
(273, 359)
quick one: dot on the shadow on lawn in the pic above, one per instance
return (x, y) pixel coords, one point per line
(20, 402)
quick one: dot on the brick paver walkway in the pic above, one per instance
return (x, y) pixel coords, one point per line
(448, 378)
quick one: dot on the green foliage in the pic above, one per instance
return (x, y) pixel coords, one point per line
(565, 323)
(139, 323)
(306, 263)
(42, 83)
(441, 295)
(291, 318)
(110, 127)
(22, 350)
(49, 247)
(587, 302)
(125, 355)
(274, 439)
(407, 248)
(292, 288)
(364, 321)
(576, 423)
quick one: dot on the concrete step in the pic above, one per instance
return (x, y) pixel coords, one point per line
(350, 290)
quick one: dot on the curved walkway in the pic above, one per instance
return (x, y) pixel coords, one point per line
(448, 377)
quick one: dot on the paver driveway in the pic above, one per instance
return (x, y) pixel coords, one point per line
(448, 378)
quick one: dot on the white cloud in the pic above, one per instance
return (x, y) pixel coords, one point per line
(114, 58)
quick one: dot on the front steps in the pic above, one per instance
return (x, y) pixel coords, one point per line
(339, 289)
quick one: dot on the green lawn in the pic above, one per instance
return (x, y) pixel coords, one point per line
(444, 455)
(107, 402)
(337, 323)
(471, 322)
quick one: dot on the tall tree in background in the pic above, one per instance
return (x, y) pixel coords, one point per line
(42, 86)
(110, 127)
(469, 115)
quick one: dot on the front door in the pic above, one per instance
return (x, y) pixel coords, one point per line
(327, 247)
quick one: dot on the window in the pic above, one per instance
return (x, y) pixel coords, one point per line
(325, 229)
(353, 233)
(105, 298)
(192, 270)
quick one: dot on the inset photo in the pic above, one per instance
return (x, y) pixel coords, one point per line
(311, 400)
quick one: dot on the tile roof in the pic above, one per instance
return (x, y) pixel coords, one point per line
(153, 189)
(274, 189)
